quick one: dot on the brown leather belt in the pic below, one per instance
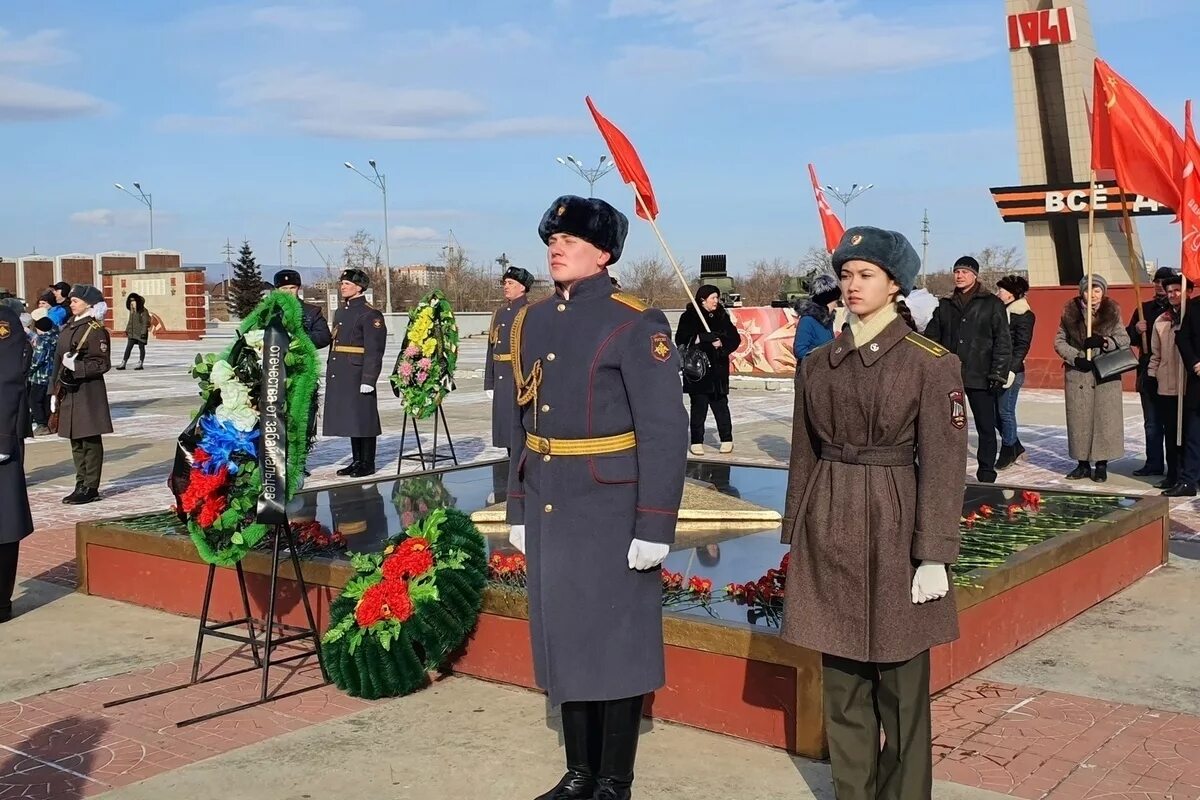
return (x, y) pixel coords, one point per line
(898, 456)
(345, 348)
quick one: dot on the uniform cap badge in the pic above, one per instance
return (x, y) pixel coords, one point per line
(660, 347)
(561, 210)
(856, 238)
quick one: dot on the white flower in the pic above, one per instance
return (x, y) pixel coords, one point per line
(255, 340)
(241, 417)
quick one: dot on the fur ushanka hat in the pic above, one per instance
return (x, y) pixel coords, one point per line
(589, 218)
(888, 250)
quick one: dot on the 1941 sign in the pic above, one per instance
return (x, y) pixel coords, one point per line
(1039, 203)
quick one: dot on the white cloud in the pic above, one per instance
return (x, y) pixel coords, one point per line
(320, 104)
(25, 101)
(784, 39)
(109, 218)
(308, 18)
(659, 61)
(37, 49)
(408, 233)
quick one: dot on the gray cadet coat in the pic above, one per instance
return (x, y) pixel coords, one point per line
(498, 373)
(83, 410)
(607, 367)
(16, 522)
(355, 358)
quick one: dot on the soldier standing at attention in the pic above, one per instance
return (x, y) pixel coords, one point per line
(498, 371)
(82, 358)
(355, 361)
(288, 280)
(599, 444)
(874, 496)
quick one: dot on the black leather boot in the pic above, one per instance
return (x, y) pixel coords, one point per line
(366, 452)
(70, 499)
(622, 719)
(8, 577)
(581, 739)
(355, 457)
(1181, 490)
(1008, 457)
(1100, 472)
(1084, 470)
(86, 495)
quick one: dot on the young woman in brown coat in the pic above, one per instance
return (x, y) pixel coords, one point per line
(875, 492)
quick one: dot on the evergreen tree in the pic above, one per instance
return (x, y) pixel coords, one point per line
(246, 287)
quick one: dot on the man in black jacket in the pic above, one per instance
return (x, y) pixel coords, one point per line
(1187, 340)
(972, 324)
(1143, 323)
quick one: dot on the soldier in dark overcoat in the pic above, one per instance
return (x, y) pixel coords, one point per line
(874, 498)
(355, 361)
(497, 373)
(599, 444)
(16, 522)
(83, 356)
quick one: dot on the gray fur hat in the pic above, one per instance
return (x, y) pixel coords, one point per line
(824, 289)
(888, 250)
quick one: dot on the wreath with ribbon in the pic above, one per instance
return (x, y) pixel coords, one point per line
(216, 478)
(424, 370)
(407, 608)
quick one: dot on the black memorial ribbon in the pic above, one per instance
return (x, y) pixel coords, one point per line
(272, 425)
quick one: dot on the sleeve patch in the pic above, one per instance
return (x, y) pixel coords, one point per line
(958, 410)
(660, 347)
(5, 330)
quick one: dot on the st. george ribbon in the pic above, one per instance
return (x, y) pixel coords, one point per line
(273, 443)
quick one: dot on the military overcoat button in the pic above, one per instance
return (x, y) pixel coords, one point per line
(562, 307)
(549, 508)
(545, 407)
(550, 356)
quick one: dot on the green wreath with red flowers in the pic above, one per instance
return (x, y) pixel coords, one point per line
(407, 608)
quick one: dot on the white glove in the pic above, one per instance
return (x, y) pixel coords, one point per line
(1012, 376)
(68, 361)
(516, 537)
(4, 457)
(53, 403)
(646, 555)
(931, 582)
(489, 393)
(365, 388)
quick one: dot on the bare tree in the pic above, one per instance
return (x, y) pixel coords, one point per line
(653, 281)
(998, 258)
(764, 282)
(814, 261)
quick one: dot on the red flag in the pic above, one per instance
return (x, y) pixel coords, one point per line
(1189, 212)
(830, 224)
(1135, 141)
(628, 163)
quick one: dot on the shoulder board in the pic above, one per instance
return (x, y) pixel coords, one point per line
(96, 325)
(928, 345)
(629, 300)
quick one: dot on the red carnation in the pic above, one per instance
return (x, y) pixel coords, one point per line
(1032, 500)
(370, 607)
(985, 510)
(970, 519)
(1013, 510)
(700, 586)
(404, 564)
(398, 603)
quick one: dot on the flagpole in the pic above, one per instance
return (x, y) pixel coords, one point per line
(1087, 301)
(1133, 268)
(1182, 368)
(670, 257)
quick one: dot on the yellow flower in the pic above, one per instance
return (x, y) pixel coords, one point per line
(429, 347)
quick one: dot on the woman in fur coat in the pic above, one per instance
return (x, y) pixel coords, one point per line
(1095, 423)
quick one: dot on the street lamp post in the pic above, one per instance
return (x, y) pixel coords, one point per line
(380, 181)
(146, 200)
(590, 175)
(856, 191)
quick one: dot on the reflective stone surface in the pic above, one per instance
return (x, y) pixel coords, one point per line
(368, 513)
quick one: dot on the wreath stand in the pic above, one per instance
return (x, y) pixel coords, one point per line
(435, 455)
(258, 631)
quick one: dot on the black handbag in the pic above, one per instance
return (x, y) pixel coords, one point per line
(1113, 364)
(693, 362)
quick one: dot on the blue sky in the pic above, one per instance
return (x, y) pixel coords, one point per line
(237, 119)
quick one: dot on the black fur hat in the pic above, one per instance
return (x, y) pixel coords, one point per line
(824, 289)
(589, 218)
(288, 277)
(355, 275)
(888, 250)
(87, 293)
(521, 276)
